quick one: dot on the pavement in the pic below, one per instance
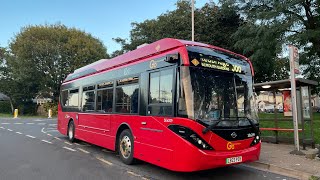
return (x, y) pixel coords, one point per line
(33, 149)
(276, 158)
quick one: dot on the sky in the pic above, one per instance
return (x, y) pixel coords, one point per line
(104, 19)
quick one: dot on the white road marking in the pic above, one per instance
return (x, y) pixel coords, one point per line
(77, 144)
(58, 138)
(85, 144)
(49, 134)
(68, 143)
(30, 123)
(18, 123)
(42, 130)
(2, 127)
(87, 152)
(46, 141)
(104, 161)
(41, 123)
(5, 123)
(30, 136)
(70, 149)
(9, 129)
(137, 175)
(106, 150)
(38, 120)
(18, 132)
(52, 130)
(52, 124)
(134, 174)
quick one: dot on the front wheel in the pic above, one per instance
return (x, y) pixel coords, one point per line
(71, 131)
(125, 145)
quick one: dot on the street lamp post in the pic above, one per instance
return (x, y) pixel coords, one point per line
(192, 20)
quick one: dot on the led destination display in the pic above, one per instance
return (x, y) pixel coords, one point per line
(216, 64)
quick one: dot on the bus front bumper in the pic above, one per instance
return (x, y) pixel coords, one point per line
(202, 160)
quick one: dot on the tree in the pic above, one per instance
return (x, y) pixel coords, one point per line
(297, 22)
(261, 44)
(213, 25)
(41, 56)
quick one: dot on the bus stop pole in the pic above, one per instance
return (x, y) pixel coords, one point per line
(293, 69)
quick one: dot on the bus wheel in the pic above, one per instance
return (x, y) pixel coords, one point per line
(71, 131)
(125, 146)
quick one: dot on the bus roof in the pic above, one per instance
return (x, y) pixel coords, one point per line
(138, 54)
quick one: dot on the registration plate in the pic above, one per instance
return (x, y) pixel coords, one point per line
(233, 160)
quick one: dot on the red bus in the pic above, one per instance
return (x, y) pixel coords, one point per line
(181, 105)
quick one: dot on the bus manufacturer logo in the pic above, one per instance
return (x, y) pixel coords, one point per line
(153, 64)
(126, 71)
(251, 135)
(234, 135)
(231, 146)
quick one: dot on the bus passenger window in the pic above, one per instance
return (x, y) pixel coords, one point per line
(73, 98)
(127, 94)
(88, 99)
(64, 98)
(105, 100)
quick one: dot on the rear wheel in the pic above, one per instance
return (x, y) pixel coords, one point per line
(71, 131)
(125, 147)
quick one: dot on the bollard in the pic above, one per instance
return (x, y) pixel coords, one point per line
(15, 114)
(50, 113)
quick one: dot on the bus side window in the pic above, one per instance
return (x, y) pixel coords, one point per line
(160, 95)
(64, 98)
(73, 99)
(88, 98)
(127, 93)
(105, 100)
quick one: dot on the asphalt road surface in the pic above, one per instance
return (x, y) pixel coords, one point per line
(32, 149)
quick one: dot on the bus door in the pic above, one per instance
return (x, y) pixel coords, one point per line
(159, 107)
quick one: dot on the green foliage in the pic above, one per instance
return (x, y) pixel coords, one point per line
(274, 25)
(41, 56)
(53, 106)
(267, 120)
(213, 25)
(5, 107)
(261, 44)
(27, 107)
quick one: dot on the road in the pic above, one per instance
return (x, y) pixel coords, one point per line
(33, 149)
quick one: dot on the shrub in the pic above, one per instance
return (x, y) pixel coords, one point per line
(29, 108)
(5, 107)
(53, 106)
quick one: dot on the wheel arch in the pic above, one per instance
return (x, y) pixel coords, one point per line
(121, 128)
(71, 119)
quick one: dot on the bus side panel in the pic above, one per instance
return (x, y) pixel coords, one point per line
(151, 140)
(61, 124)
(95, 129)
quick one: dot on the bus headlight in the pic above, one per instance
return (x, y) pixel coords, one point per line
(190, 136)
(256, 140)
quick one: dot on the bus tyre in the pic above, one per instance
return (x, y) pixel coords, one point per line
(71, 131)
(125, 145)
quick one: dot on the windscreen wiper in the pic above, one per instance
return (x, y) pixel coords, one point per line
(206, 129)
(253, 125)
